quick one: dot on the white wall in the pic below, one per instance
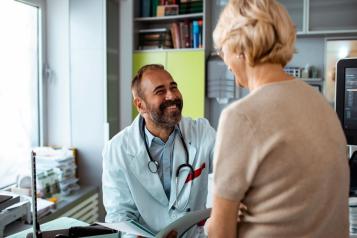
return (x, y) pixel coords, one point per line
(76, 92)
(88, 76)
(58, 84)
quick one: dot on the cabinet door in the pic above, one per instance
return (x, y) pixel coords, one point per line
(188, 70)
(143, 58)
(296, 12)
(332, 15)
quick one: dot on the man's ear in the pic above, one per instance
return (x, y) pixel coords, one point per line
(139, 104)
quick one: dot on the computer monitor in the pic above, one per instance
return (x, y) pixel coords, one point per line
(346, 108)
(346, 97)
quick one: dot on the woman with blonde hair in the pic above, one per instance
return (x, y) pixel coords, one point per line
(280, 150)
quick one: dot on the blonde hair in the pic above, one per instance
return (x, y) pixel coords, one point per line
(260, 29)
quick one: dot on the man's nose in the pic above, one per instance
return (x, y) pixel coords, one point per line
(170, 95)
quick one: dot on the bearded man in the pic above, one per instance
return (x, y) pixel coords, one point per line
(156, 170)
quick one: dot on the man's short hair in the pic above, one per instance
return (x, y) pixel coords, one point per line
(260, 29)
(136, 83)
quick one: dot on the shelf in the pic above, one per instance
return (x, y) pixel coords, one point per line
(331, 32)
(312, 80)
(169, 18)
(169, 50)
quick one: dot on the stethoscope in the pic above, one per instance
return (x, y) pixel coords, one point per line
(154, 165)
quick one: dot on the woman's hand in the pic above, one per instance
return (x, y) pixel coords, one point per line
(242, 210)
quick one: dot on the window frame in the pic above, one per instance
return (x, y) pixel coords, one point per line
(39, 140)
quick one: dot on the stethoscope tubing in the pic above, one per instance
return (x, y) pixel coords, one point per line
(154, 165)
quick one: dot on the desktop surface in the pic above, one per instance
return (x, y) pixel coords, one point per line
(60, 223)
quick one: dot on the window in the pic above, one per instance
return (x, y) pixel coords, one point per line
(20, 86)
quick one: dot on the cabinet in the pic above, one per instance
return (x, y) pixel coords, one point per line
(187, 68)
(313, 17)
(296, 12)
(332, 15)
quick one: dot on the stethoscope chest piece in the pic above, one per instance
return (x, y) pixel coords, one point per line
(153, 166)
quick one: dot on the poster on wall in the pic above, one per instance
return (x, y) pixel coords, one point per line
(336, 49)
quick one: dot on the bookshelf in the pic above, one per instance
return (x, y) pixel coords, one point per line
(180, 29)
(169, 18)
(185, 59)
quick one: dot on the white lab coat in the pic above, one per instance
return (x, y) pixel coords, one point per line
(131, 191)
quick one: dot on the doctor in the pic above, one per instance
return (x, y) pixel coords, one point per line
(156, 170)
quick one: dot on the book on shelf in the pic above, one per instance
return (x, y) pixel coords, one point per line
(189, 7)
(154, 4)
(145, 10)
(186, 34)
(175, 35)
(200, 36)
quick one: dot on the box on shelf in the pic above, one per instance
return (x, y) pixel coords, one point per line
(293, 71)
(167, 10)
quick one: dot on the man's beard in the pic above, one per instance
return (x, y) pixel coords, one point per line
(167, 119)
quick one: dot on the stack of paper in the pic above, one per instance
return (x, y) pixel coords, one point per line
(49, 160)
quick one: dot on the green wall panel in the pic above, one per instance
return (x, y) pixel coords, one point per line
(188, 70)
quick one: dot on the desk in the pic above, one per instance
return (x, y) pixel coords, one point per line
(61, 223)
(67, 207)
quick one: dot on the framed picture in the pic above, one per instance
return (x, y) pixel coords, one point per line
(336, 49)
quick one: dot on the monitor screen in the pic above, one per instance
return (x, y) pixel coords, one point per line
(346, 97)
(350, 113)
